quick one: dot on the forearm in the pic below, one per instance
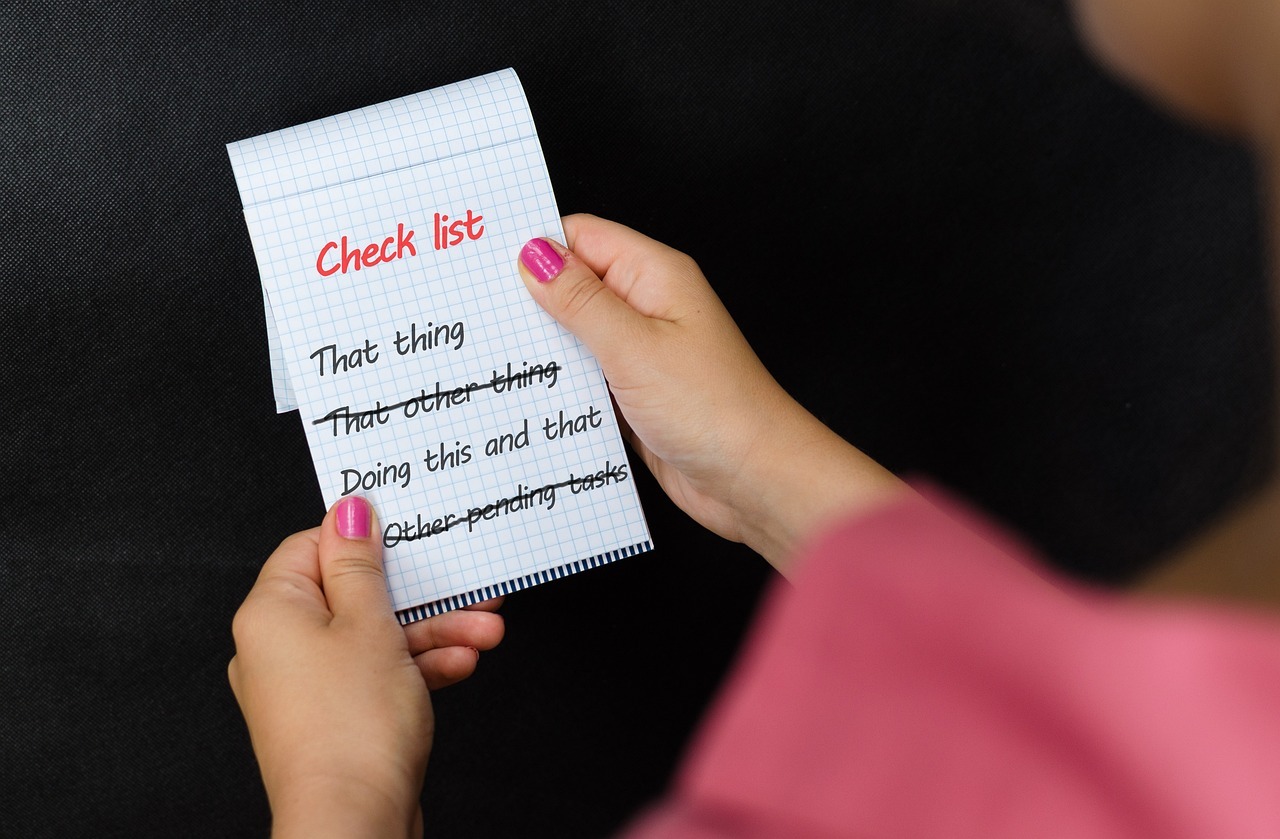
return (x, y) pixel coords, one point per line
(342, 811)
(801, 477)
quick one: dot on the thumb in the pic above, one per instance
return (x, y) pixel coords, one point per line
(351, 572)
(571, 293)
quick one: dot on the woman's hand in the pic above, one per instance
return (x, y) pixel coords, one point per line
(335, 693)
(724, 440)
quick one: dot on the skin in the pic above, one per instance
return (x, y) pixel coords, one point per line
(336, 695)
(728, 445)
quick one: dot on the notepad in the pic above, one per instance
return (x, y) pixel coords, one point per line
(426, 378)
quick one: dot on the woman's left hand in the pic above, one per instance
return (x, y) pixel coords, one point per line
(334, 691)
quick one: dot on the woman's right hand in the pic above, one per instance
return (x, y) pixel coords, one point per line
(724, 440)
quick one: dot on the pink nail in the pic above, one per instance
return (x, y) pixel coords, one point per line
(355, 517)
(541, 259)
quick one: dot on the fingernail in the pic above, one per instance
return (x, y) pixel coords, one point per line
(541, 259)
(355, 517)
(474, 650)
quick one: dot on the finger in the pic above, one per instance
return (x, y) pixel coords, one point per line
(570, 292)
(296, 555)
(351, 571)
(290, 575)
(602, 243)
(482, 630)
(656, 280)
(491, 605)
(446, 666)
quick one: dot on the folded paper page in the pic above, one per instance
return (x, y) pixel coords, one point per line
(426, 378)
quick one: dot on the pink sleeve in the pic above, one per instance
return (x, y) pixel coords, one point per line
(925, 678)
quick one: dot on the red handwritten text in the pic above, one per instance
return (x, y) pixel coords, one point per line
(391, 248)
(453, 233)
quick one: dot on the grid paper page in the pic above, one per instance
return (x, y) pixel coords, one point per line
(426, 378)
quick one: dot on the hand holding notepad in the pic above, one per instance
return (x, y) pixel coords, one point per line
(426, 379)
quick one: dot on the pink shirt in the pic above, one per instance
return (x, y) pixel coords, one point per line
(926, 677)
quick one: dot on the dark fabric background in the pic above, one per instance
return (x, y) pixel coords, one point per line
(959, 244)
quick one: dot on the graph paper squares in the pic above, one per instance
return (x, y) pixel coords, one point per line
(489, 447)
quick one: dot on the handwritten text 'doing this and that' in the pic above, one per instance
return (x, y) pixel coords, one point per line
(443, 456)
(340, 257)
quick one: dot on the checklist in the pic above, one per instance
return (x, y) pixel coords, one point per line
(426, 378)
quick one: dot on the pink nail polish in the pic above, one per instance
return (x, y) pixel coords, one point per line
(355, 517)
(541, 259)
